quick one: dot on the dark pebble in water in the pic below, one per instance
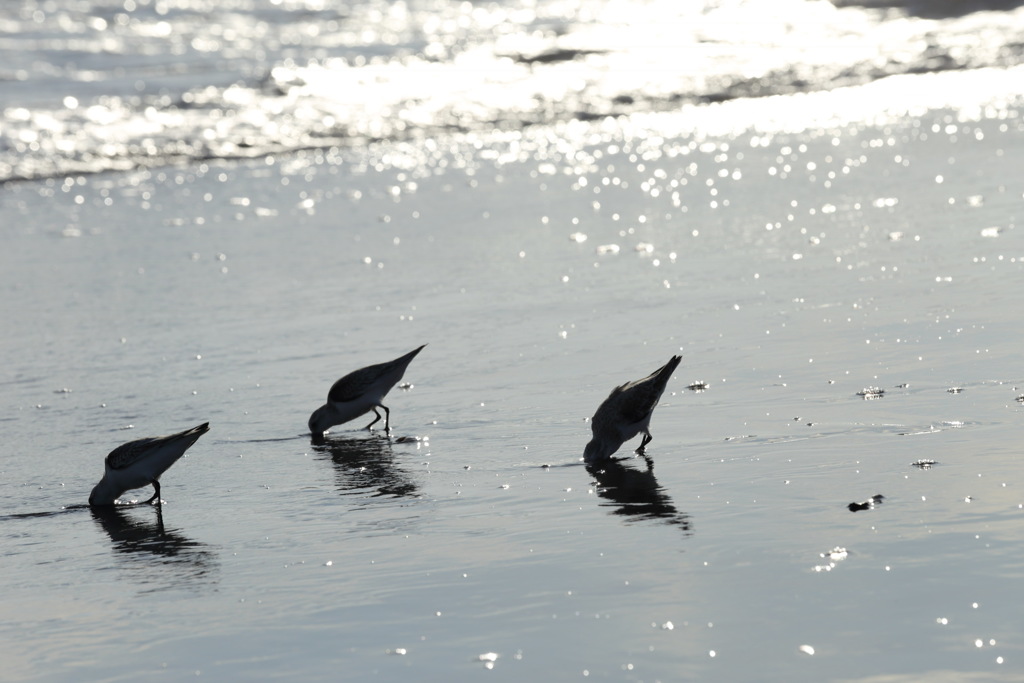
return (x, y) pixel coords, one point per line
(867, 504)
(555, 55)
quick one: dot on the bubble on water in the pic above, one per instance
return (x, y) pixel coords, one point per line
(807, 649)
(578, 237)
(608, 249)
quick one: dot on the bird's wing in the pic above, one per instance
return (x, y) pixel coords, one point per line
(127, 454)
(639, 398)
(356, 383)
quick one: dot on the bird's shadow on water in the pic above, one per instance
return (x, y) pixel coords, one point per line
(634, 493)
(44, 513)
(366, 466)
(140, 537)
(143, 536)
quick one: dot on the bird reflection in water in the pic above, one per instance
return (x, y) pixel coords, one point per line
(366, 466)
(141, 537)
(635, 493)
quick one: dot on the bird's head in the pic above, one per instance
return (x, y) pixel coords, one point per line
(319, 421)
(597, 449)
(103, 493)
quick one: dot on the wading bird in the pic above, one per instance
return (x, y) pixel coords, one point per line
(627, 412)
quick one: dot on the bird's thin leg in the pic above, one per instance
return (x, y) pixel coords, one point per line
(643, 444)
(387, 419)
(156, 494)
(375, 420)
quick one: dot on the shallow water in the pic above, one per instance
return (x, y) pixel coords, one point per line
(792, 268)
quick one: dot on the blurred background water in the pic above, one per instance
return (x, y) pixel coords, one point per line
(816, 205)
(95, 85)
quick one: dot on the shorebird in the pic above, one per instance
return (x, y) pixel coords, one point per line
(140, 463)
(359, 392)
(627, 412)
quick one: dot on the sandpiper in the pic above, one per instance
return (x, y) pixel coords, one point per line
(140, 463)
(359, 392)
(627, 412)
